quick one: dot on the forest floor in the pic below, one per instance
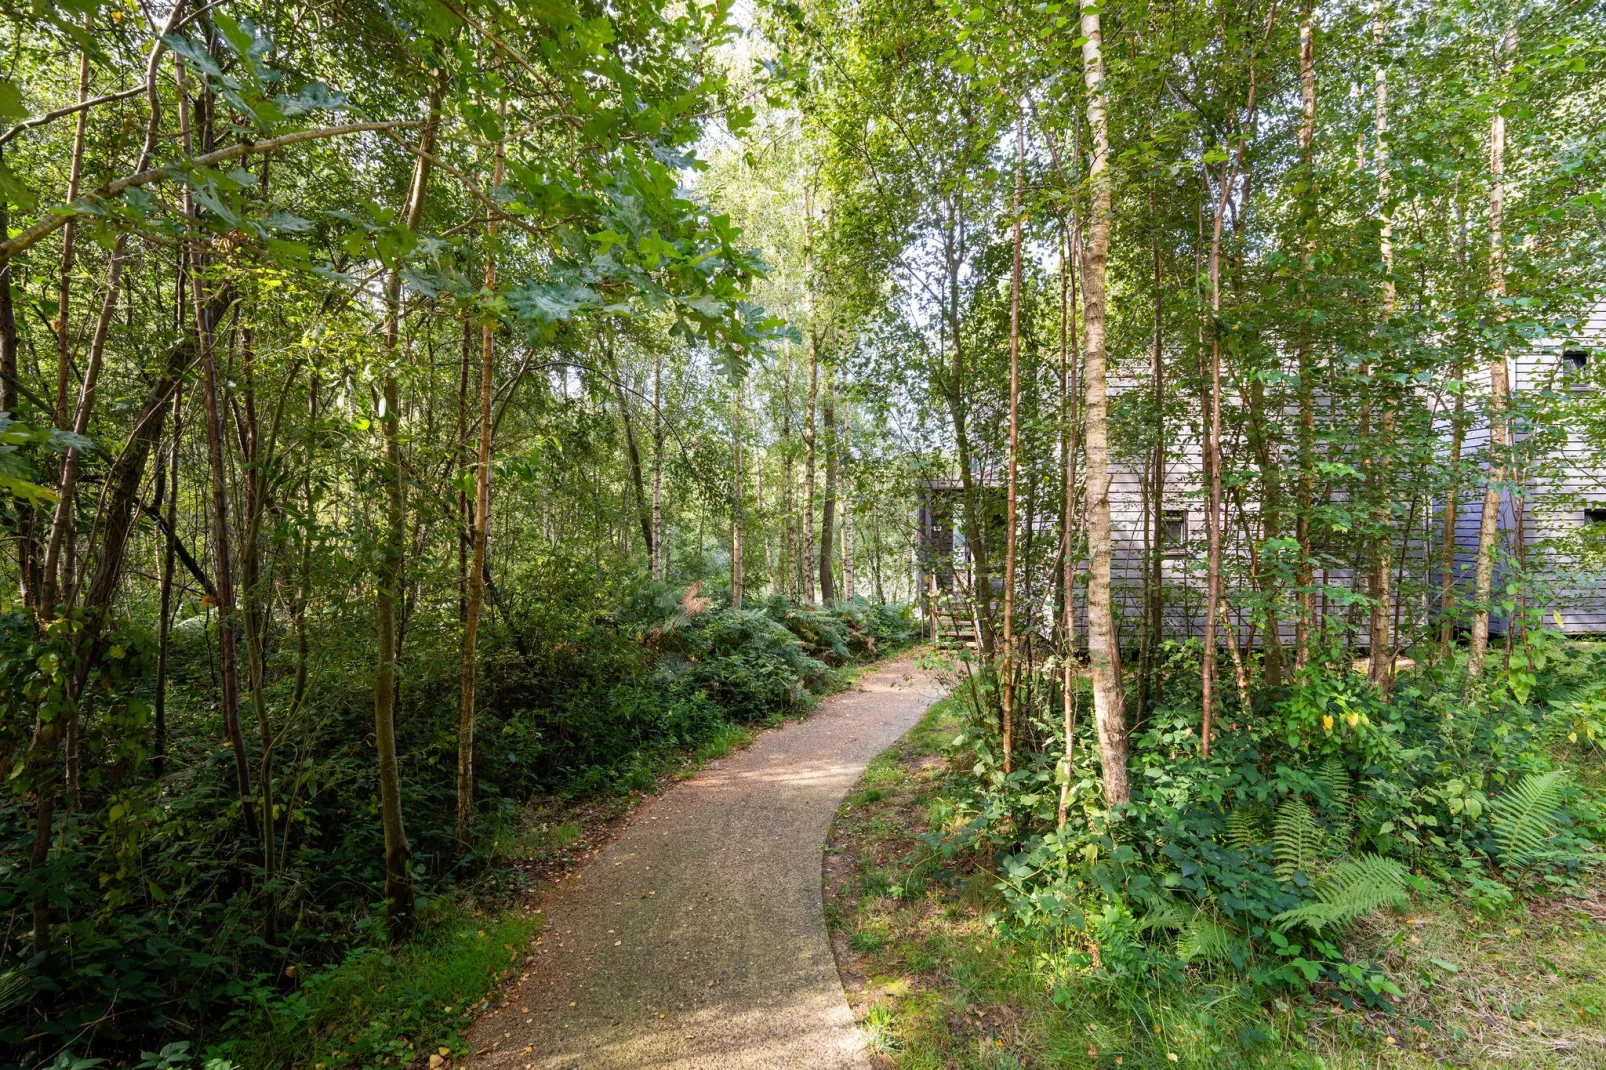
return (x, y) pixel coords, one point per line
(695, 938)
(932, 985)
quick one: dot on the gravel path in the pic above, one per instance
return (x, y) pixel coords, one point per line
(696, 941)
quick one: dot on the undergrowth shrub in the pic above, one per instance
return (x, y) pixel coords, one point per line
(1324, 806)
(589, 685)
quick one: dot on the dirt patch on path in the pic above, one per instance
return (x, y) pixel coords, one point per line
(695, 941)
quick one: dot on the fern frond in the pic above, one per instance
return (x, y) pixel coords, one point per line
(1164, 913)
(1335, 781)
(1524, 817)
(1243, 831)
(1351, 890)
(13, 989)
(1206, 940)
(1297, 839)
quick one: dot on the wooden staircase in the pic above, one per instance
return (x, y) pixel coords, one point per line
(952, 623)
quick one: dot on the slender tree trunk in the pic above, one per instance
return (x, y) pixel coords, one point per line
(465, 516)
(1104, 655)
(1212, 461)
(737, 517)
(256, 454)
(388, 584)
(1380, 653)
(788, 484)
(1010, 492)
(828, 502)
(633, 455)
(1447, 547)
(66, 489)
(8, 330)
(807, 549)
(1153, 632)
(1070, 359)
(121, 488)
(164, 622)
(846, 466)
(1305, 623)
(1213, 456)
(69, 233)
(223, 565)
(9, 394)
(1499, 386)
(466, 713)
(657, 548)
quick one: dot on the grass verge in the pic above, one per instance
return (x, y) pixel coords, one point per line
(934, 983)
(390, 1007)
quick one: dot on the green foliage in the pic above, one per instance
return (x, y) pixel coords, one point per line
(147, 874)
(1348, 891)
(1525, 817)
(1253, 863)
(1299, 841)
(381, 1006)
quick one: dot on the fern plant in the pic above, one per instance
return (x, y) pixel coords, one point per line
(1349, 891)
(1243, 830)
(1164, 912)
(1205, 940)
(1334, 780)
(1297, 839)
(1525, 817)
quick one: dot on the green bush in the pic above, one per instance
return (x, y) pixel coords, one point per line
(588, 686)
(1309, 814)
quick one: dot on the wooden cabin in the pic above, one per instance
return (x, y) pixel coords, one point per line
(1555, 506)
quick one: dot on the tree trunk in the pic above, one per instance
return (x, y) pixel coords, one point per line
(466, 713)
(1499, 386)
(736, 497)
(1213, 457)
(1010, 491)
(1305, 622)
(69, 233)
(828, 503)
(223, 566)
(847, 503)
(1104, 655)
(788, 488)
(1380, 669)
(1154, 609)
(388, 581)
(66, 489)
(807, 549)
(122, 488)
(1070, 358)
(633, 454)
(1212, 466)
(165, 611)
(657, 547)
(9, 394)
(465, 516)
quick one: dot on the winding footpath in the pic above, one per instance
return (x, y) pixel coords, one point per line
(696, 940)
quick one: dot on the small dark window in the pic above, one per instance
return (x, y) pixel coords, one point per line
(1575, 359)
(1595, 516)
(1176, 530)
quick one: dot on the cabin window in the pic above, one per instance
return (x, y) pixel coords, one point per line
(1175, 535)
(1594, 516)
(1575, 359)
